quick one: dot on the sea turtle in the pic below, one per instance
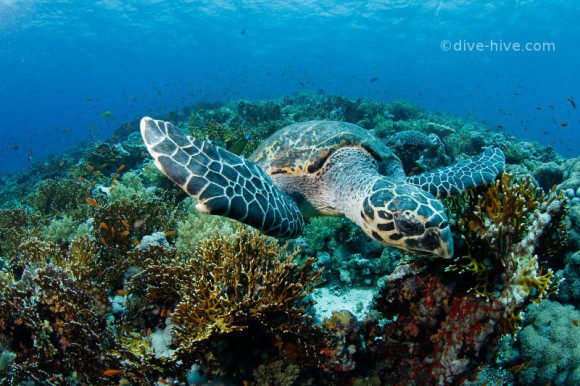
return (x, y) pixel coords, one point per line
(320, 168)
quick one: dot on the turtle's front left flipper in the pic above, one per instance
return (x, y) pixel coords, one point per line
(222, 183)
(455, 179)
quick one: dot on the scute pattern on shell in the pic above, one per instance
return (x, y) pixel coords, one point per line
(303, 147)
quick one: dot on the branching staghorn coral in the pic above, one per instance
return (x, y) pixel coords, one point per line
(238, 280)
(502, 227)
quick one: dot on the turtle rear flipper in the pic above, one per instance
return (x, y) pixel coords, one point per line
(222, 183)
(458, 178)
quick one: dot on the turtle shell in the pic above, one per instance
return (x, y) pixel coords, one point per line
(302, 148)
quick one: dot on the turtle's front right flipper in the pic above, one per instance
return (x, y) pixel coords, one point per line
(222, 183)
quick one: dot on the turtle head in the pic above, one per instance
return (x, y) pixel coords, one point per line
(406, 217)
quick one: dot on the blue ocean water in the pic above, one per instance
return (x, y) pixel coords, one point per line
(74, 70)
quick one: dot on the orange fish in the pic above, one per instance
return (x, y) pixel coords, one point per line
(103, 225)
(88, 185)
(137, 242)
(564, 124)
(125, 222)
(576, 323)
(148, 333)
(125, 233)
(97, 172)
(90, 168)
(114, 183)
(121, 292)
(81, 179)
(116, 176)
(103, 241)
(111, 373)
(170, 233)
(164, 381)
(121, 168)
(92, 201)
(71, 170)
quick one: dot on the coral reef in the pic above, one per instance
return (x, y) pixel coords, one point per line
(248, 282)
(108, 275)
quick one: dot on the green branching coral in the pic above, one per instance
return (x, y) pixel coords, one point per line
(60, 196)
(120, 225)
(16, 225)
(194, 227)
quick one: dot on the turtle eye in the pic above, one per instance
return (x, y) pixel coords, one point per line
(409, 223)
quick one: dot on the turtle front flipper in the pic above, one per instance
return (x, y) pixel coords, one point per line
(456, 179)
(222, 183)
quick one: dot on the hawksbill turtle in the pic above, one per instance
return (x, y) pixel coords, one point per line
(320, 168)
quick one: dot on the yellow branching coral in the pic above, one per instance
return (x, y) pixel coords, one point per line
(504, 230)
(241, 280)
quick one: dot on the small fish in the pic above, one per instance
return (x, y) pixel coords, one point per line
(92, 201)
(62, 164)
(551, 106)
(125, 233)
(162, 312)
(88, 185)
(538, 108)
(572, 102)
(149, 333)
(114, 183)
(81, 179)
(137, 224)
(148, 167)
(111, 372)
(104, 241)
(121, 168)
(90, 168)
(107, 113)
(374, 79)
(121, 292)
(14, 147)
(97, 172)
(116, 176)
(103, 225)
(170, 233)
(564, 124)
(124, 222)
(137, 242)
(576, 323)
(164, 381)
(500, 126)
(104, 165)
(72, 170)
(243, 31)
